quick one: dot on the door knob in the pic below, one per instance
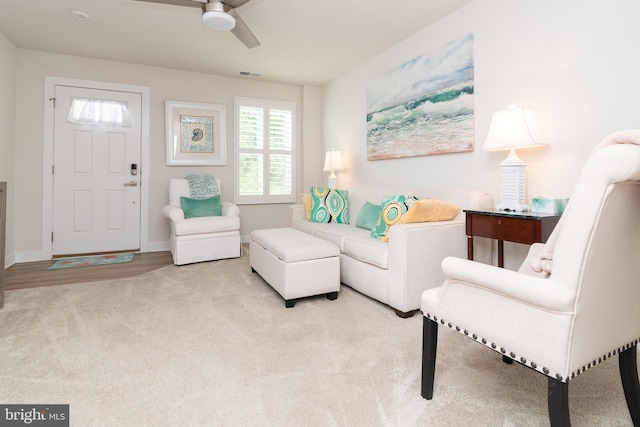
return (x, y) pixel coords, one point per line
(131, 184)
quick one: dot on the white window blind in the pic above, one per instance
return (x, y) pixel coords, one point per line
(265, 147)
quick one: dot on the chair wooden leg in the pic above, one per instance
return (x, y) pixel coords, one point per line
(558, 403)
(429, 346)
(629, 375)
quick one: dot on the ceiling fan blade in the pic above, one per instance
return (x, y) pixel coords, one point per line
(188, 3)
(235, 3)
(242, 32)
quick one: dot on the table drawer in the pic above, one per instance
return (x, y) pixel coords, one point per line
(504, 228)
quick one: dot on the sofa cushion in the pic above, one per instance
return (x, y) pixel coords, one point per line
(193, 208)
(393, 207)
(338, 233)
(334, 233)
(305, 226)
(329, 205)
(368, 216)
(207, 224)
(367, 249)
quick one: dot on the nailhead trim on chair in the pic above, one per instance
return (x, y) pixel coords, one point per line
(530, 363)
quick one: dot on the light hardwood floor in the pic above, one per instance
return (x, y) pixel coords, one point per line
(35, 274)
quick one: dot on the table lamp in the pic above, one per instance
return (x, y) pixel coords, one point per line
(333, 162)
(511, 129)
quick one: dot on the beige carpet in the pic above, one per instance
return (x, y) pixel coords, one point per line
(212, 344)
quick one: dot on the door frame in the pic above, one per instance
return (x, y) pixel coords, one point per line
(47, 155)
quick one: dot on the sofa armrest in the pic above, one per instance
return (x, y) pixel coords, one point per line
(174, 213)
(297, 213)
(416, 252)
(230, 209)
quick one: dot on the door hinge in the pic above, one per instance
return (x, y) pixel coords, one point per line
(53, 168)
(52, 236)
(54, 101)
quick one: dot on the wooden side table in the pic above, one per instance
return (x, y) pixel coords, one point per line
(518, 227)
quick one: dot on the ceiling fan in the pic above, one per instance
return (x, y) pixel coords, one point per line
(219, 15)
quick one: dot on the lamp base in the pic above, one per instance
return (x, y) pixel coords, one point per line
(332, 181)
(512, 184)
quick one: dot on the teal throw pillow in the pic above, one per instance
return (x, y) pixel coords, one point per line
(392, 209)
(368, 216)
(329, 205)
(194, 208)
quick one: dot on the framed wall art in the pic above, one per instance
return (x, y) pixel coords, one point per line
(424, 106)
(195, 134)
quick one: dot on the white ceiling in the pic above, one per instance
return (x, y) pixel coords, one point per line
(303, 41)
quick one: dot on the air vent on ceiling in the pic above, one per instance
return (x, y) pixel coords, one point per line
(249, 74)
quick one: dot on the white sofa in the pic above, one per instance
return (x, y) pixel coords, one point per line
(396, 273)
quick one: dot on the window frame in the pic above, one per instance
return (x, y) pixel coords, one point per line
(266, 151)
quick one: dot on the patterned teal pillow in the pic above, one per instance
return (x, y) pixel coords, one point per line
(329, 205)
(393, 207)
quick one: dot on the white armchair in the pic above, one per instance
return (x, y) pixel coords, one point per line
(202, 238)
(584, 313)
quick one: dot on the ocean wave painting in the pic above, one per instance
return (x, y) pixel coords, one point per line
(424, 106)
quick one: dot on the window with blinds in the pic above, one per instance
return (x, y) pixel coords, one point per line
(265, 151)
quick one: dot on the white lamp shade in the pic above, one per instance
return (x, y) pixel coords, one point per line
(218, 20)
(333, 161)
(512, 128)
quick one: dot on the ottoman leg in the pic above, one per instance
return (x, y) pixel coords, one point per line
(289, 303)
(332, 295)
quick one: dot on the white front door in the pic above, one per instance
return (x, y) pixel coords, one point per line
(96, 189)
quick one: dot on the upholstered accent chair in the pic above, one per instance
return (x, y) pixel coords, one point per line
(201, 238)
(586, 311)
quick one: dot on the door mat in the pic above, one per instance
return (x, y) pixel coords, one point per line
(88, 261)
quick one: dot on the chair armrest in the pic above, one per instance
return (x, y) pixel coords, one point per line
(537, 291)
(230, 209)
(174, 213)
(297, 213)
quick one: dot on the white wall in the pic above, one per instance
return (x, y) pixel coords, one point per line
(312, 154)
(575, 62)
(165, 84)
(8, 54)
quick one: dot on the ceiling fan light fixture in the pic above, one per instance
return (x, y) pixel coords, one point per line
(80, 15)
(215, 18)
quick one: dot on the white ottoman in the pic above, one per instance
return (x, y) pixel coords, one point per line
(295, 264)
